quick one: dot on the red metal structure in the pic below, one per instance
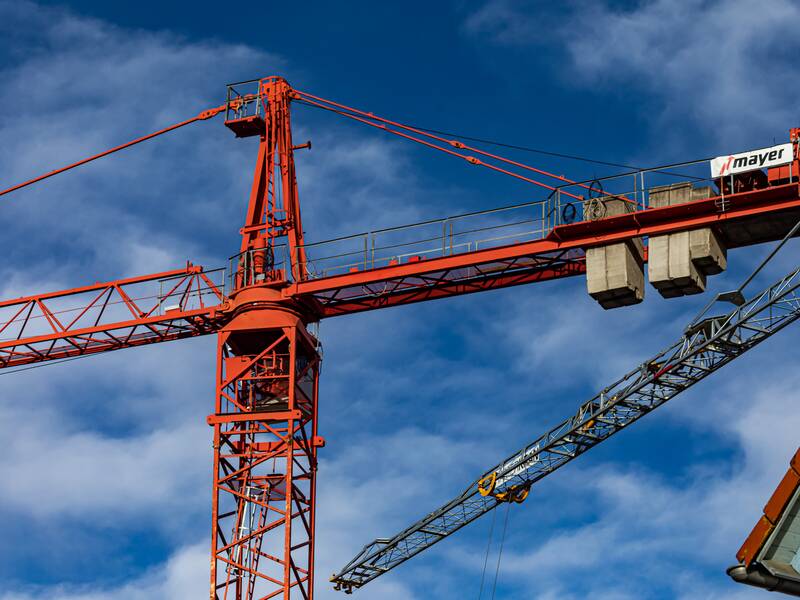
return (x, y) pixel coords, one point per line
(768, 557)
(268, 364)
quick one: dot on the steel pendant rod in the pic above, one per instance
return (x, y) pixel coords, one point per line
(350, 112)
(206, 114)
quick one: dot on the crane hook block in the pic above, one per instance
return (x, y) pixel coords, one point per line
(515, 493)
(521, 495)
(487, 484)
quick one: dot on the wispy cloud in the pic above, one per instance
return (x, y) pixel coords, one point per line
(718, 65)
(184, 575)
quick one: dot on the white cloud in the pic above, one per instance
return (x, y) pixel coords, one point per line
(507, 21)
(718, 65)
(51, 472)
(363, 185)
(722, 64)
(116, 443)
(86, 86)
(184, 575)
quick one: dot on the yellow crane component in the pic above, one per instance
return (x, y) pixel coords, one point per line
(515, 493)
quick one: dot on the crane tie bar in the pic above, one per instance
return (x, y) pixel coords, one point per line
(203, 116)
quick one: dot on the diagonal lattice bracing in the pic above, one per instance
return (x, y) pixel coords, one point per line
(109, 316)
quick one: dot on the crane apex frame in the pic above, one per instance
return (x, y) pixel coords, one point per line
(265, 431)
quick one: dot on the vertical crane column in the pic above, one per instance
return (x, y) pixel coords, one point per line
(265, 423)
(265, 454)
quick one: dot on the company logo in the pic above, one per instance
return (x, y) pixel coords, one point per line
(518, 465)
(727, 166)
(750, 161)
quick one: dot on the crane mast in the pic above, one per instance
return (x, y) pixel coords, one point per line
(707, 345)
(265, 425)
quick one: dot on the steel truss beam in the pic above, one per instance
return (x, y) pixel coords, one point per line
(265, 449)
(109, 316)
(705, 347)
(453, 282)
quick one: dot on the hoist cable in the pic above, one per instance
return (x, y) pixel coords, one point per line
(558, 154)
(735, 296)
(500, 553)
(790, 234)
(49, 363)
(488, 549)
(206, 114)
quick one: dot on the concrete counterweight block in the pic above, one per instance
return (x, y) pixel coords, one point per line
(670, 268)
(678, 263)
(707, 251)
(614, 272)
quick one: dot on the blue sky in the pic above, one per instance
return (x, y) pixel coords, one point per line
(107, 461)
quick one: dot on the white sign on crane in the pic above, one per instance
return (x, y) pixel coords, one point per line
(519, 464)
(751, 160)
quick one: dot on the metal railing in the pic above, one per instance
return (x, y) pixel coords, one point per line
(244, 100)
(256, 266)
(495, 227)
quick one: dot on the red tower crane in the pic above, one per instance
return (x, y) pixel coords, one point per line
(268, 363)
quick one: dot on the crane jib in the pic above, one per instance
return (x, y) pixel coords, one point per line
(705, 346)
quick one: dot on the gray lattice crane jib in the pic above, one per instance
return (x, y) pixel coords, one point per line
(706, 345)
